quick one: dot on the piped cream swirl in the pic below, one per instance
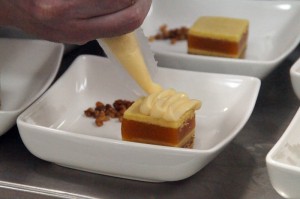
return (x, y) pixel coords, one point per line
(168, 104)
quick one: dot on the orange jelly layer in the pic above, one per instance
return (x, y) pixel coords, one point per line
(153, 134)
(217, 45)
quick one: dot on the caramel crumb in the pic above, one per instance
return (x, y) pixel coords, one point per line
(173, 35)
(103, 112)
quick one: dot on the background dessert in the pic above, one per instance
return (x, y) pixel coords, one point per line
(218, 36)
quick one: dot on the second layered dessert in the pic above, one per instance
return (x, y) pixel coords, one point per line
(218, 36)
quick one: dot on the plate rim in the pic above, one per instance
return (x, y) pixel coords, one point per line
(278, 145)
(51, 77)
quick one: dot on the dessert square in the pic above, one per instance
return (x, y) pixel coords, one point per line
(218, 36)
(157, 129)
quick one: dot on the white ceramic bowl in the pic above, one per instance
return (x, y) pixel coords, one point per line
(283, 161)
(27, 69)
(295, 77)
(55, 129)
(273, 33)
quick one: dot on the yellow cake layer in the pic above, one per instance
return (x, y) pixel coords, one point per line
(133, 113)
(220, 28)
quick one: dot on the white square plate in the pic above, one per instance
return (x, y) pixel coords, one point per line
(55, 128)
(274, 32)
(27, 69)
(283, 161)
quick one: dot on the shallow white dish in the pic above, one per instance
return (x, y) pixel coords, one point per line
(55, 129)
(27, 69)
(283, 161)
(295, 77)
(274, 33)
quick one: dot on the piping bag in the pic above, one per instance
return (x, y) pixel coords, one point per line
(132, 52)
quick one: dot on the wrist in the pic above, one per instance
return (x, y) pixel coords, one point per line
(5, 18)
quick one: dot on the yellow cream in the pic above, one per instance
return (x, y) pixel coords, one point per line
(127, 51)
(168, 105)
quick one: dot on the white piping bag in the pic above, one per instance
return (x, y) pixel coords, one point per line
(132, 52)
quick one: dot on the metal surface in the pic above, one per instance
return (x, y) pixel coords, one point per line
(238, 172)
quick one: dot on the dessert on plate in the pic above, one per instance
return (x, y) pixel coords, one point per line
(164, 118)
(218, 36)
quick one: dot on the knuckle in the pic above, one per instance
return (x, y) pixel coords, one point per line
(135, 18)
(46, 10)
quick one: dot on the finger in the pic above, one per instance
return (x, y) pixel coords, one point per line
(96, 8)
(117, 23)
(80, 31)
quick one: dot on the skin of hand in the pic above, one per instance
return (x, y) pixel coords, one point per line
(74, 21)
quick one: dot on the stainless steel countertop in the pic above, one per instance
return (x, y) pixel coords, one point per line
(238, 172)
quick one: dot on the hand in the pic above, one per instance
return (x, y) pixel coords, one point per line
(74, 21)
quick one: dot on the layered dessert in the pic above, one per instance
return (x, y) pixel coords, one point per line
(218, 36)
(164, 118)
